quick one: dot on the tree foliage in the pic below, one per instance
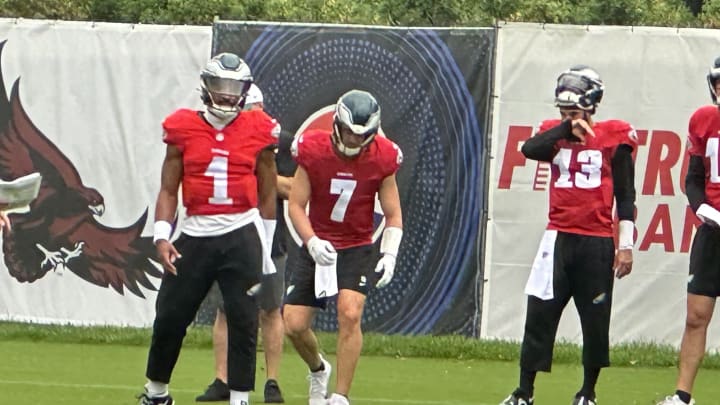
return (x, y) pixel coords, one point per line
(675, 13)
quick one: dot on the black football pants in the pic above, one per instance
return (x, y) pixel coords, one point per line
(235, 261)
(582, 270)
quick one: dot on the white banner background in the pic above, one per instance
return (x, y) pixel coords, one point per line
(100, 92)
(655, 79)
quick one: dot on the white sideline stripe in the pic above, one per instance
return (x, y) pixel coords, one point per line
(139, 388)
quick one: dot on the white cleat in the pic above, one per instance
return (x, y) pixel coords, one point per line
(319, 384)
(337, 399)
(675, 400)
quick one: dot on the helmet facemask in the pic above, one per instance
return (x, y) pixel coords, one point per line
(359, 112)
(580, 88)
(225, 82)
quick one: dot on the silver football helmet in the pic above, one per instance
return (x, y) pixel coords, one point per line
(579, 87)
(225, 81)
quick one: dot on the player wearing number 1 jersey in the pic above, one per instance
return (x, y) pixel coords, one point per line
(592, 169)
(339, 174)
(224, 161)
(702, 185)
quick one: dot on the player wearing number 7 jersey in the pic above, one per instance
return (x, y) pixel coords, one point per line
(338, 174)
(592, 168)
(224, 160)
(702, 185)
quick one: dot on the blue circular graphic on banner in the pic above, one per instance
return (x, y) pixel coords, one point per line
(428, 111)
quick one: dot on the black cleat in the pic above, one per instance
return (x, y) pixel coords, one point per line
(216, 391)
(272, 393)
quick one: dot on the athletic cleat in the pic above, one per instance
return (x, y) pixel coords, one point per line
(216, 391)
(272, 393)
(337, 399)
(319, 384)
(675, 400)
(145, 399)
(516, 398)
(583, 400)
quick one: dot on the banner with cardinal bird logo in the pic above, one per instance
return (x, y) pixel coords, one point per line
(82, 104)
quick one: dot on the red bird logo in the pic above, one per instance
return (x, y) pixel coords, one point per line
(60, 230)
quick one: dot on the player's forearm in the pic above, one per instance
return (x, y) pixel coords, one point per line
(166, 206)
(623, 171)
(283, 186)
(300, 221)
(542, 147)
(695, 182)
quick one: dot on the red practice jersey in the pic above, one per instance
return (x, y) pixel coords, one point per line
(581, 187)
(704, 141)
(342, 199)
(219, 164)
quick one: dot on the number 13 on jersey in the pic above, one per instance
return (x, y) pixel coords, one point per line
(589, 175)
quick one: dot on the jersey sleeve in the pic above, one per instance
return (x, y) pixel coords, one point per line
(265, 127)
(173, 128)
(392, 158)
(695, 144)
(624, 133)
(301, 150)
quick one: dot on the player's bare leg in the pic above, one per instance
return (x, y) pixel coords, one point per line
(220, 346)
(271, 323)
(298, 321)
(350, 307)
(692, 350)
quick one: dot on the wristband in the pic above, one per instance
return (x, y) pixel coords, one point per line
(390, 242)
(626, 235)
(161, 231)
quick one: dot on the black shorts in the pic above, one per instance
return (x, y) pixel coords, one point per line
(355, 268)
(705, 262)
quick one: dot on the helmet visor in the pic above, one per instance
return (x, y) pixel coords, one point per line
(226, 92)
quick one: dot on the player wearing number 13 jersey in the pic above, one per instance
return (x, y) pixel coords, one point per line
(224, 160)
(702, 186)
(338, 175)
(592, 170)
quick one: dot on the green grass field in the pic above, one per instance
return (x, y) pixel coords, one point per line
(43, 372)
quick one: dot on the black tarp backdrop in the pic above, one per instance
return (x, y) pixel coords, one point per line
(434, 88)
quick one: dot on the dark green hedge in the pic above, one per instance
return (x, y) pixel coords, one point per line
(673, 13)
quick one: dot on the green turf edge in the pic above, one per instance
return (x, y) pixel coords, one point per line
(637, 354)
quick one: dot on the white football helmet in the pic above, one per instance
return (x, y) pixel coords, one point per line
(579, 87)
(225, 81)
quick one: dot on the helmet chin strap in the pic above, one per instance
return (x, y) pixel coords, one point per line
(348, 151)
(219, 118)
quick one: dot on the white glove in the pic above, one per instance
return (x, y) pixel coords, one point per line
(386, 266)
(322, 251)
(708, 215)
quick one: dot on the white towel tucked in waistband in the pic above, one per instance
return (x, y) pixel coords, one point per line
(540, 282)
(326, 280)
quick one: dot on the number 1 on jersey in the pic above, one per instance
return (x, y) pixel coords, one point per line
(218, 170)
(345, 189)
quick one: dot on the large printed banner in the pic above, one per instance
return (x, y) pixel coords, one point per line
(433, 88)
(654, 92)
(82, 104)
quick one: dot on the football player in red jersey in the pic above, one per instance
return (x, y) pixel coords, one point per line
(224, 160)
(702, 186)
(592, 167)
(270, 295)
(338, 174)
